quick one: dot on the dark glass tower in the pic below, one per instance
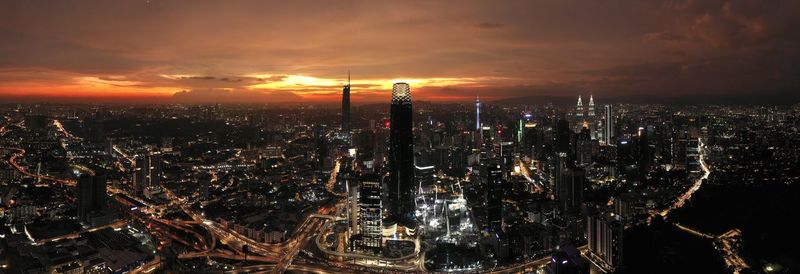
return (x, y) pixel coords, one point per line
(91, 193)
(321, 146)
(494, 197)
(346, 109)
(401, 157)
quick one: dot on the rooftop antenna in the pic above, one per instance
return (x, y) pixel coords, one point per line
(348, 78)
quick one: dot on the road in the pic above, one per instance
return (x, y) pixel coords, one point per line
(310, 227)
(13, 162)
(525, 171)
(696, 186)
(117, 224)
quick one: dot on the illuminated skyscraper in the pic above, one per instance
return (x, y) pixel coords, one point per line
(579, 108)
(401, 157)
(346, 109)
(609, 132)
(478, 113)
(494, 197)
(591, 107)
(369, 203)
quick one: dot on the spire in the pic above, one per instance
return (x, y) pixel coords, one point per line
(591, 100)
(348, 77)
(580, 101)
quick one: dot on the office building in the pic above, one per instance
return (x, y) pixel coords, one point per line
(605, 235)
(346, 110)
(494, 197)
(609, 125)
(91, 194)
(369, 202)
(401, 157)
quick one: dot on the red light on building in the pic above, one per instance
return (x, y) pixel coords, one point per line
(387, 124)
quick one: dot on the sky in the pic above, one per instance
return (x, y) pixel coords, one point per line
(301, 51)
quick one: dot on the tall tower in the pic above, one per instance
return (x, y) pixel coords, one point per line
(91, 193)
(401, 157)
(591, 106)
(321, 146)
(346, 109)
(609, 134)
(142, 174)
(477, 113)
(85, 194)
(579, 108)
(494, 197)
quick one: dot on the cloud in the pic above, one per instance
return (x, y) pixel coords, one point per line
(733, 24)
(233, 96)
(28, 51)
(452, 48)
(488, 25)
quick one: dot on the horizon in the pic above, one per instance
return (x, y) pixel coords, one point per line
(207, 52)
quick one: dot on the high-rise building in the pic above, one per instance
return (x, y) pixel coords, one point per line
(569, 189)
(584, 147)
(91, 195)
(496, 187)
(401, 157)
(352, 186)
(346, 109)
(591, 107)
(478, 113)
(85, 195)
(321, 146)
(369, 202)
(141, 174)
(563, 136)
(579, 109)
(155, 169)
(147, 172)
(609, 125)
(605, 235)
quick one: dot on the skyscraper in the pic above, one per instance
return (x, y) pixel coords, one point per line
(478, 113)
(569, 188)
(85, 195)
(563, 136)
(346, 109)
(141, 175)
(609, 134)
(401, 157)
(155, 169)
(321, 146)
(494, 197)
(91, 195)
(605, 233)
(369, 203)
(147, 172)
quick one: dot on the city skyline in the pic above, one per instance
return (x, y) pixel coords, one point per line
(546, 137)
(173, 52)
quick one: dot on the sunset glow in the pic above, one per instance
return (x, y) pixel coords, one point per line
(254, 51)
